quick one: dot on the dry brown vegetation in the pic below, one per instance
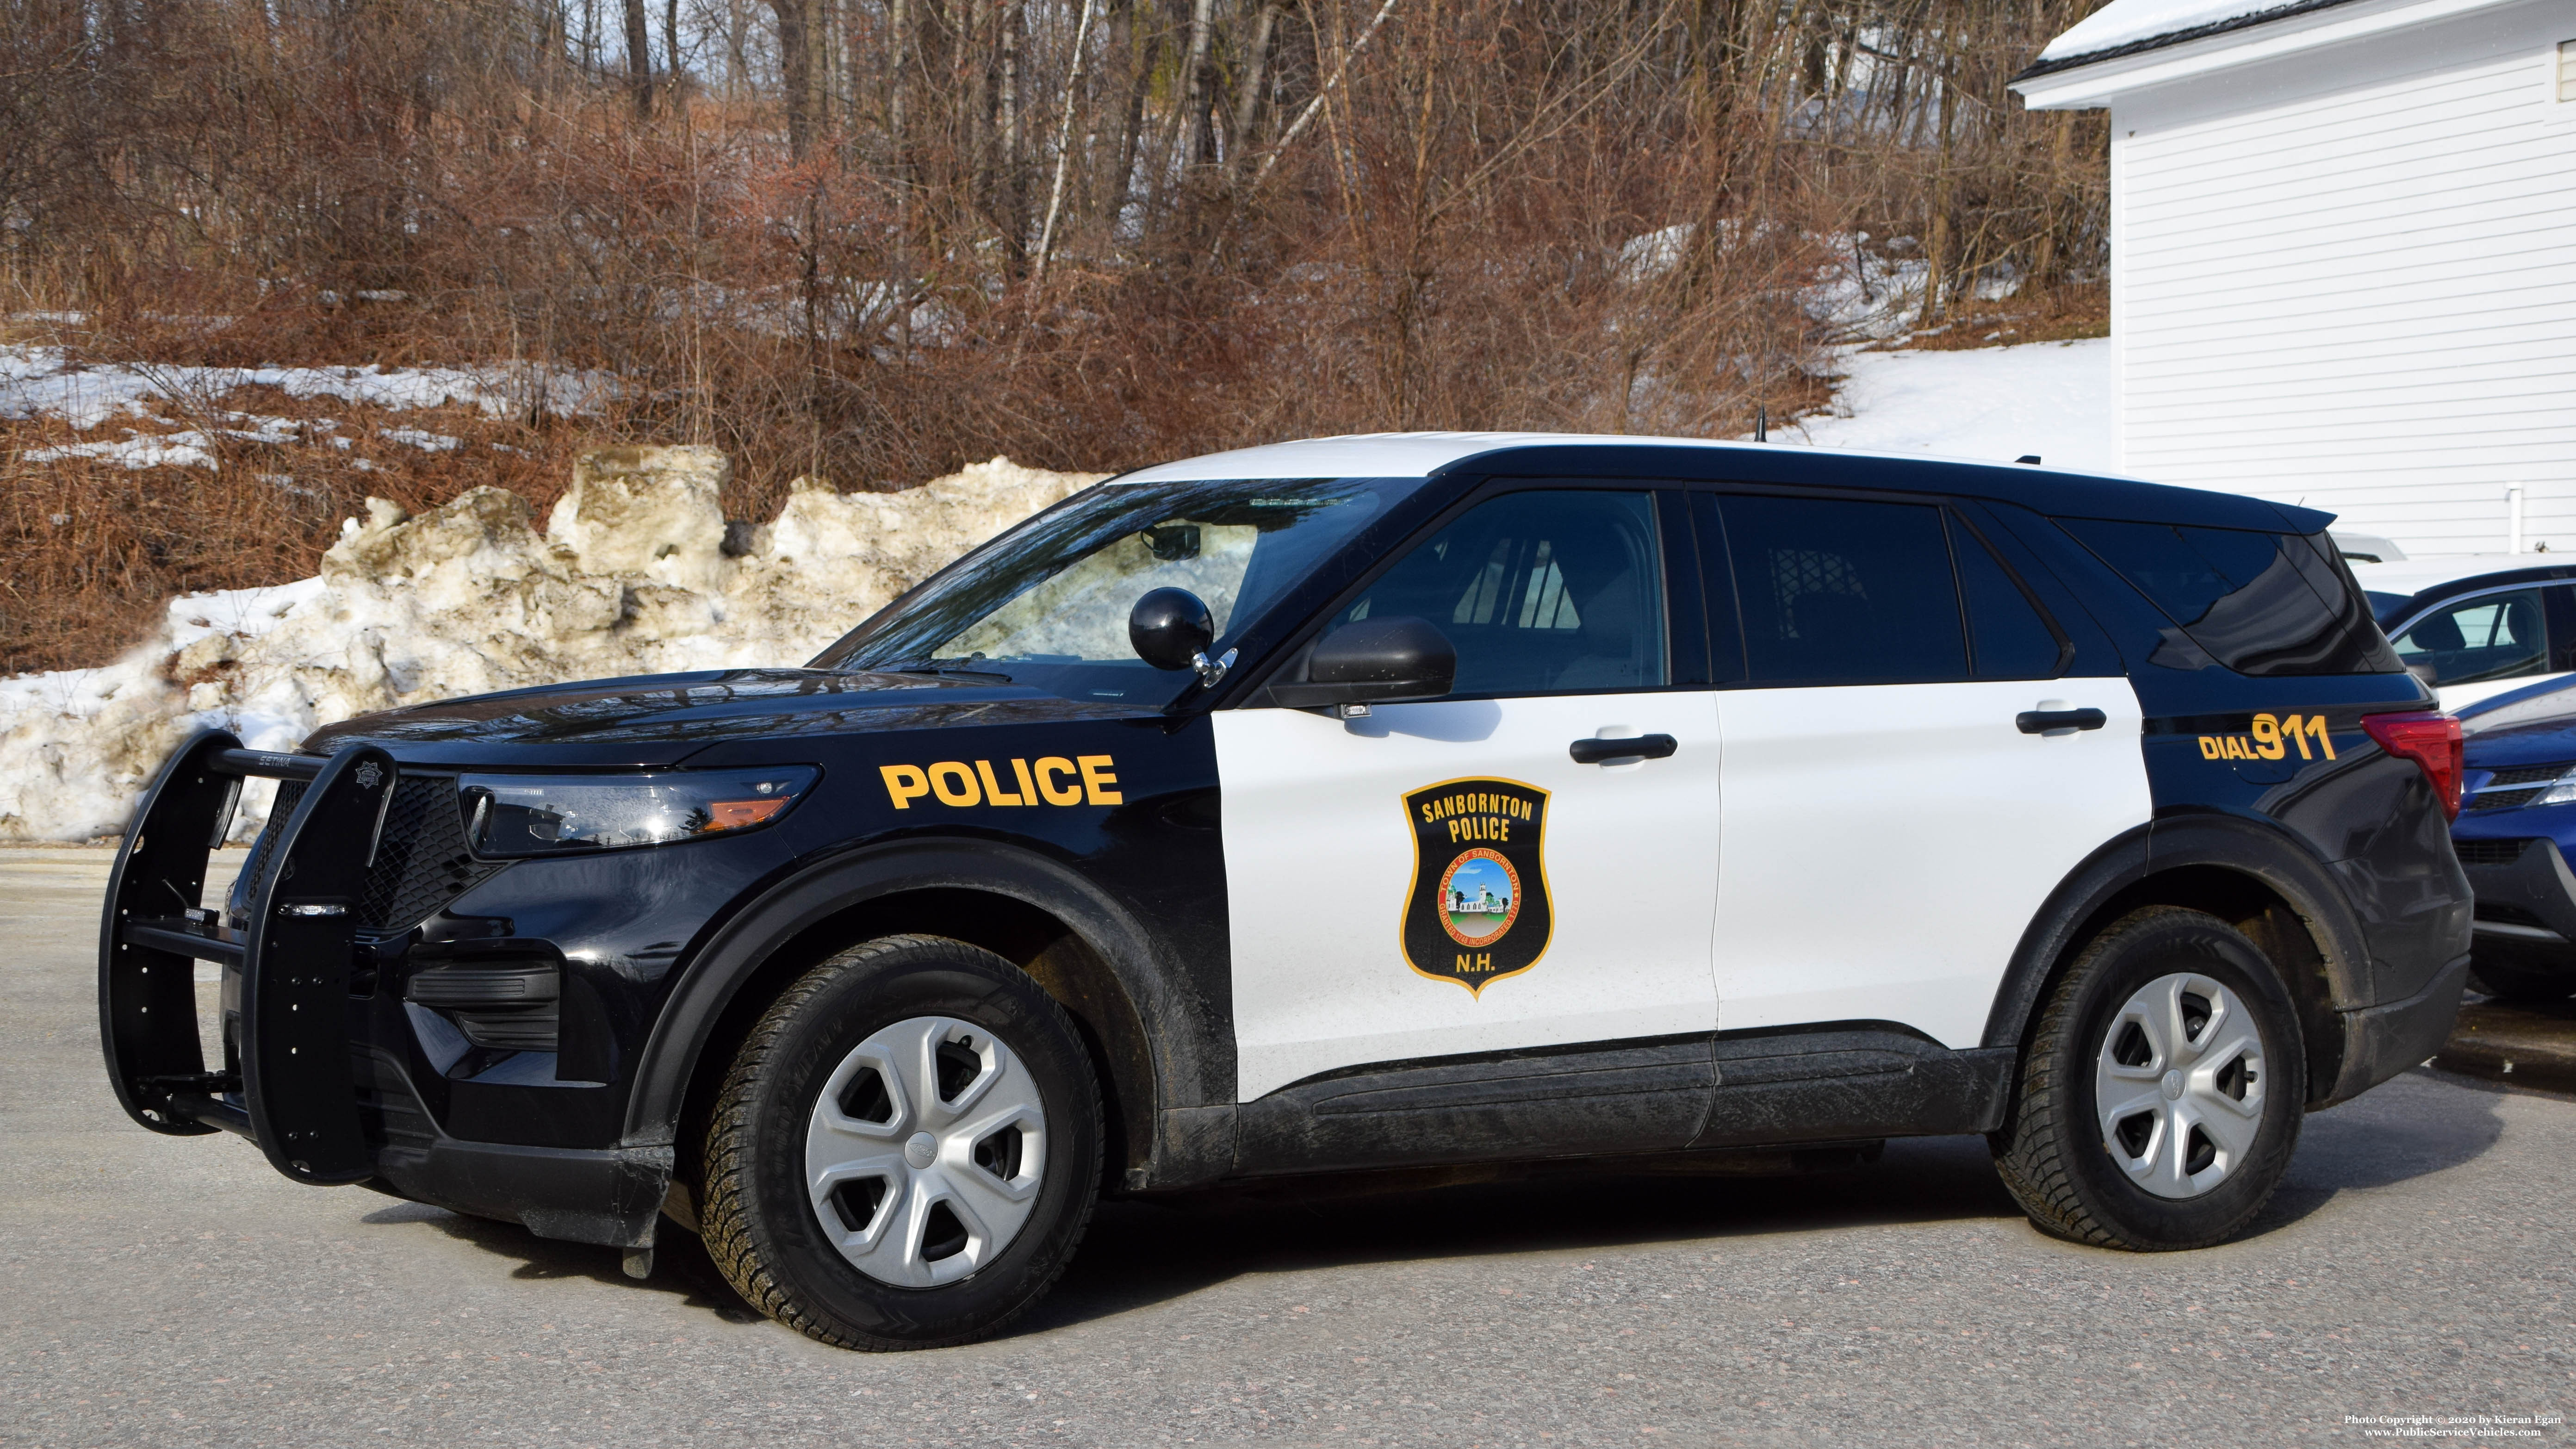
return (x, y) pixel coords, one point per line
(872, 239)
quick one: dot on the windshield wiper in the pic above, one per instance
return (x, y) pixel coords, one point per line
(940, 667)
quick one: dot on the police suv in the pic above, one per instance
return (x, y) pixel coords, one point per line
(1353, 804)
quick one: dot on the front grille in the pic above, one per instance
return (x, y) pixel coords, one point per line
(2491, 795)
(421, 858)
(2489, 852)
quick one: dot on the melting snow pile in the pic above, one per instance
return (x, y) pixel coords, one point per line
(629, 575)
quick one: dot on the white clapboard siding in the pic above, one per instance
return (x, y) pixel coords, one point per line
(2347, 277)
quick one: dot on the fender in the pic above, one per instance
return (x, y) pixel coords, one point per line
(2253, 846)
(1189, 1042)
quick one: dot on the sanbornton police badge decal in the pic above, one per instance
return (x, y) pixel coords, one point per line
(1478, 910)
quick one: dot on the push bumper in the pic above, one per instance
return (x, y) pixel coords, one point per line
(293, 1080)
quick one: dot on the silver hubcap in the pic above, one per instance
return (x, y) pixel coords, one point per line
(925, 1152)
(2180, 1085)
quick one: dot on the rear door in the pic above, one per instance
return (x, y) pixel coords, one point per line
(1444, 878)
(1891, 824)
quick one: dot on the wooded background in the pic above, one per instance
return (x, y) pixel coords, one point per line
(872, 239)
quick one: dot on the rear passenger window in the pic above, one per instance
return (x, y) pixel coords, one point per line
(1835, 591)
(2010, 638)
(2255, 602)
(2493, 636)
(1541, 592)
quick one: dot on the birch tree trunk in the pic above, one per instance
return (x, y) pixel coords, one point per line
(1247, 103)
(1194, 100)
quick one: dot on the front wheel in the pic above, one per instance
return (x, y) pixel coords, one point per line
(906, 1150)
(2162, 1089)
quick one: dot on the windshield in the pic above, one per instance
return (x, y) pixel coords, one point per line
(1046, 604)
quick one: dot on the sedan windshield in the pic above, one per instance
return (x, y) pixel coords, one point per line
(1046, 604)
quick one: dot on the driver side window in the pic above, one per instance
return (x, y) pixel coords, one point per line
(1546, 592)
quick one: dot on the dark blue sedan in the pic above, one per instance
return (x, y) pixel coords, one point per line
(2516, 830)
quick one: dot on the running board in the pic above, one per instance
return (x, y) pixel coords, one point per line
(290, 1091)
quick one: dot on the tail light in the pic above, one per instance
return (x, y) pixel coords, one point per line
(2432, 741)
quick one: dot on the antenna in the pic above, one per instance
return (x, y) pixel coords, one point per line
(1761, 422)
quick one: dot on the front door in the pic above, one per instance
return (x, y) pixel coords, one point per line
(1444, 878)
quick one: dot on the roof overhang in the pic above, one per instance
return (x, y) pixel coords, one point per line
(2085, 82)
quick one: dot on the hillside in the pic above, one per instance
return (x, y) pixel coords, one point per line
(635, 569)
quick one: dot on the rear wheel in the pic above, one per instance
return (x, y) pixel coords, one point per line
(2161, 1091)
(905, 1152)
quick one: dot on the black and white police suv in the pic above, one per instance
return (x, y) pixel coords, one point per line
(1352, 804)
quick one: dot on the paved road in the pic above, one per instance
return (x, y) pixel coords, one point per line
(165, 1291)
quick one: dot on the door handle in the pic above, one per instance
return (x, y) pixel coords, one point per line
(1637, 747)
(2041, 721)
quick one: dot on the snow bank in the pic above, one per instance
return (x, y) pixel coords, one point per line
(1994, 403)
(630, 575)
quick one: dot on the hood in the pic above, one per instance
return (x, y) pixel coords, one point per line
(2534, 725)
(659, 720)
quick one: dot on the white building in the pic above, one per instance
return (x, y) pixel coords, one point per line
(2343, 253)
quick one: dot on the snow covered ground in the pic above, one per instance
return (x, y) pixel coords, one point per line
(1993, 403)
(45, 382)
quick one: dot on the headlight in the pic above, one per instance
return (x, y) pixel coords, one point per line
(509, 816)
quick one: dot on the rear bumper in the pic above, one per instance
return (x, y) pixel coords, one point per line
(2381, 1041)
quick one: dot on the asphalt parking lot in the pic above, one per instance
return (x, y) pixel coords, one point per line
(2421, 1261)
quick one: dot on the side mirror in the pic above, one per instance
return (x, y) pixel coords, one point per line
(1170, 628)
(1374, 661)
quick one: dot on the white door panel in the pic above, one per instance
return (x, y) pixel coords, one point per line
(1320, 860)
(1888, 844)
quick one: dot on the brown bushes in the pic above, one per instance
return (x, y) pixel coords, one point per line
(820, 249)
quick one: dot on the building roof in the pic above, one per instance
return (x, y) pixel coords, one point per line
(2132, 27)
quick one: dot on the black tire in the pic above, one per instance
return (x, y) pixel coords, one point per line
(2055, 1153)
(763, 1231)
(2527, 975)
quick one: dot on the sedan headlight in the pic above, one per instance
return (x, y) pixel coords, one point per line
(510, 816)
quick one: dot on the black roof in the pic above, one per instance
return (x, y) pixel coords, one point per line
(2044, 490)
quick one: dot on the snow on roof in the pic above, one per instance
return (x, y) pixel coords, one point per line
(2128, 26)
